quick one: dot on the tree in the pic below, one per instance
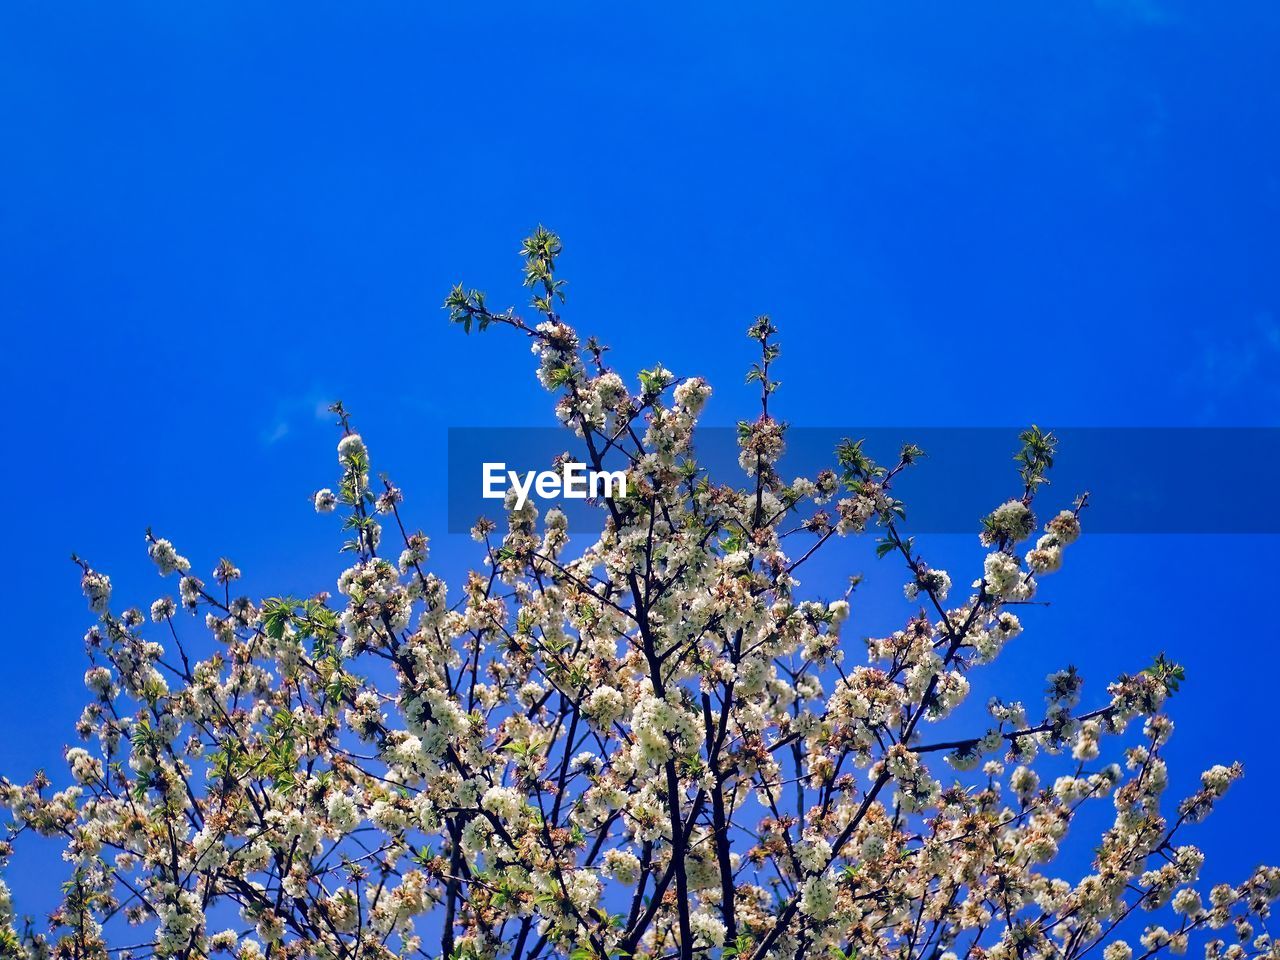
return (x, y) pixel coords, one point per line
(645, 747)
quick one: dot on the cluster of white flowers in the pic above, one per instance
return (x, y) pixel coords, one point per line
(505, 802)
(351, 450)
(342, 811)
(649, 746)
(1011, 522)
(97, 588)
(708, 930)
(1004, 577)
(605, 705)
(818, 898)
(167, 559)
(937, 583)
(85, 768)
(623, 866)
(663, 729)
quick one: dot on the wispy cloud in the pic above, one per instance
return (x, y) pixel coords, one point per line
(293, 412)
(1149, 12)
(1235, 372)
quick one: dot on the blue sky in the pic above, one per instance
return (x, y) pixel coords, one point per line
(219, 217)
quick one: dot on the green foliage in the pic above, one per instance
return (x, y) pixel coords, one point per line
(1168, 672)
(761, 328)
(1036, 456)
(281, 761)
(856, 464)
(886, 545)
(467, 307)
(540, 252)
(653, 382)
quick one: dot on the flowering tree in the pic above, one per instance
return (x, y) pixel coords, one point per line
(647, 746)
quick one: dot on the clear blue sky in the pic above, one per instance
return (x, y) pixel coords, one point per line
(217, 217)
